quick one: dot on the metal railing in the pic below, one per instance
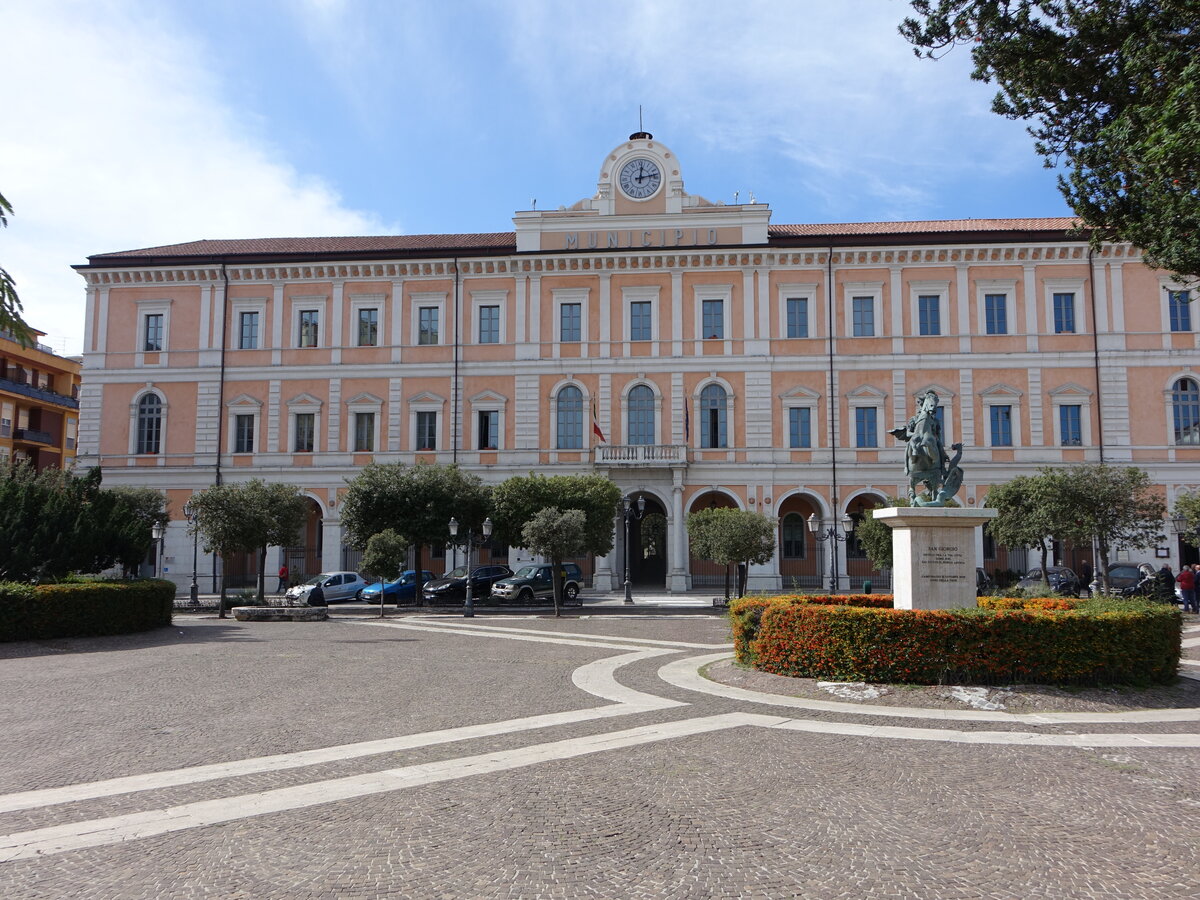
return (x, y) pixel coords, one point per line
(641, 454)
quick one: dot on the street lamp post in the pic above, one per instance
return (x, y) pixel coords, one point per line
(194, 591)
(833, 534)
(633, 512)
(469, 605)
(156, 532)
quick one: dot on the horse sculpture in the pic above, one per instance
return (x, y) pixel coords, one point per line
(933, 477)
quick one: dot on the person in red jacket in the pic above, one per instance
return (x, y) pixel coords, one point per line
(283, 578)
(1186, 579)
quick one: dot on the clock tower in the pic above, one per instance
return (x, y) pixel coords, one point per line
(640, 203)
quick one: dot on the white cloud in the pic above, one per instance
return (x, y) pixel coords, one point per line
(119, 137)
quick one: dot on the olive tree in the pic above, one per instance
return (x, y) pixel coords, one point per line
(1031, 511)
(732, 536)
(556, 534)
(248, 517)
(10, 303)
(517, 500)
(1187, 507)
(416, 502)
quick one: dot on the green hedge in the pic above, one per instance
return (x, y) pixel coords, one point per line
(1100, 641)
(83, 609)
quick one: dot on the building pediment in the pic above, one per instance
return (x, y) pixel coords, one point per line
(640, 204)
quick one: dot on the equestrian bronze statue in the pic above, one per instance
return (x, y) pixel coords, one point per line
(933, 477)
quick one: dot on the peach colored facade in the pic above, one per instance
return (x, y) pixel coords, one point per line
(726, 360)
(39, 404)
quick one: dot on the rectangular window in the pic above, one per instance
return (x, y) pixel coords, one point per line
(714, 319)
(995, 313)
(639, 321)
(306, 430)
(1001, 426)
(489, 324)
(1064, 313)
(570, 322)
(797, 317)
(864, 316)
(154, 333)
(1070, 423)
(799, 427)
(243, 434)
(309, 322)
(427, 325)
(6, 420)
(368, 328)
(1180, 308)
(364, 432)
(488, 431)
(864, 426)
(929, 314)
(248, 331)
(427, 431)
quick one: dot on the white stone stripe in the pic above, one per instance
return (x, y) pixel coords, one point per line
(1189, 662)
(117, 829)
(458, 623)
(597, 678)
(1190, 642)
(541, 637)
(236, 768)
(1021, 738)
(684, 673)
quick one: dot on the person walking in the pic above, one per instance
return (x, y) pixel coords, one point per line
(283, 579)
(1186, 579)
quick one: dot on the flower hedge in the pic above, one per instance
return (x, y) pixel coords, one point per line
(1044, 640)
(83, 609)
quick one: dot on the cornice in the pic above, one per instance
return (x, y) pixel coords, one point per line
(575, 262)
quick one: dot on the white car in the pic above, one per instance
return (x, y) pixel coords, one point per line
(337, 587)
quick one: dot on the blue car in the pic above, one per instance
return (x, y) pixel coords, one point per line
(402, 590)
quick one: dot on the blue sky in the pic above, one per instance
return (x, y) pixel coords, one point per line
(132, 123)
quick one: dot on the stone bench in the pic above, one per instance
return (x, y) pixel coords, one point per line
(280, 613)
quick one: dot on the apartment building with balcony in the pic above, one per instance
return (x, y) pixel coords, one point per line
(693, 351)
(39, 404)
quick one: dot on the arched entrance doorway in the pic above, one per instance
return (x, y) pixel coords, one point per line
(802, 563)
(858, 567)
(304, 559)
(648, 545)
(706, 573)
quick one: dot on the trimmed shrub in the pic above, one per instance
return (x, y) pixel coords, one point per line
(996, 603)
(1095, 642)
(83, 609)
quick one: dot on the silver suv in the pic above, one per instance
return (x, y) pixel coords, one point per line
(537, 582)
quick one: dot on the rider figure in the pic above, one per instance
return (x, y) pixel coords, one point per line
(925, 459)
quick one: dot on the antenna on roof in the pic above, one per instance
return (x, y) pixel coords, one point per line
(533, 203)
(641, 134)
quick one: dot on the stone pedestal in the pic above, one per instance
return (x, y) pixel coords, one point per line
(933, 555)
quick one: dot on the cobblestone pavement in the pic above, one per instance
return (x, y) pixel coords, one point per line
(528, 757)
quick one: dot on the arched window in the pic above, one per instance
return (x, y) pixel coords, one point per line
(793, 537)
(1185, 405)
(641, 415)
(149, 424)
(713, 427)
(569, 404)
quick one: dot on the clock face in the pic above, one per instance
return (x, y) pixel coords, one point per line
(640, 178)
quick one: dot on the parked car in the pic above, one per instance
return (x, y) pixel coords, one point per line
(337, 587)
(983, 583)
(1062, 580)
(452, 586)
(402, 590)
(536, 582)
(1123, 578)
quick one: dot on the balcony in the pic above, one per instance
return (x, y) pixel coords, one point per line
(33, 393)
(29, 436)
(641, 455)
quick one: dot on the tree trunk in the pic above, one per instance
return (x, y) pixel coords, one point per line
(727, 583)
(1102, 547)
(1045, 552)
(420, 576)
(556, 581)
(262, 574)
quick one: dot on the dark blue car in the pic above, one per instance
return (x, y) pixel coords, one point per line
(402, 590)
